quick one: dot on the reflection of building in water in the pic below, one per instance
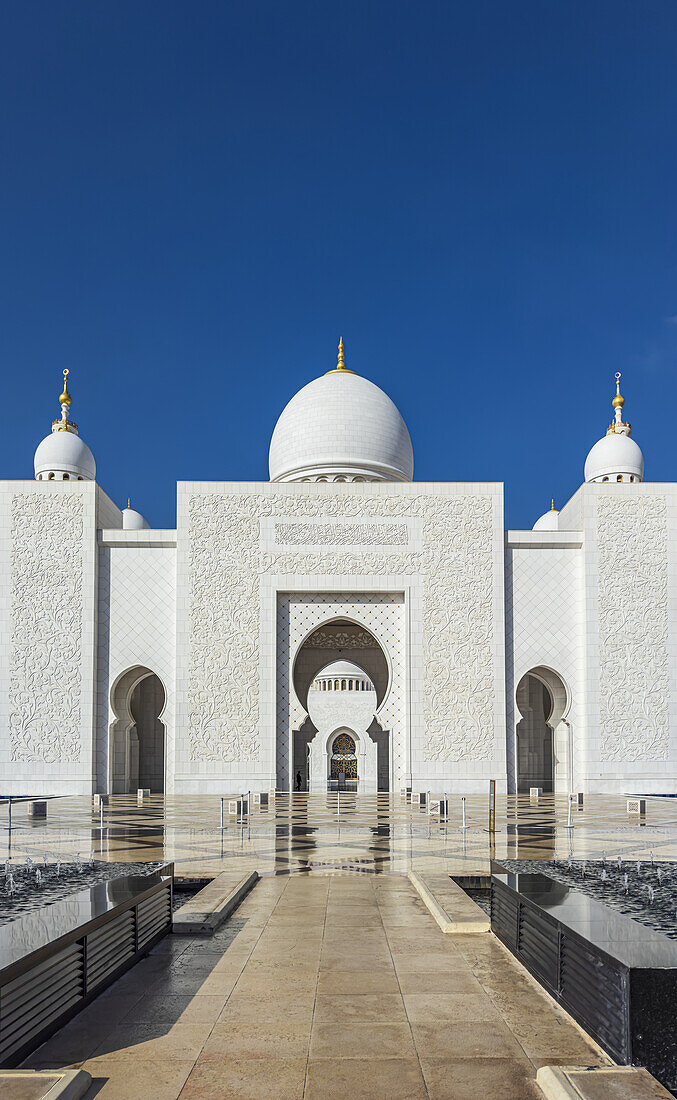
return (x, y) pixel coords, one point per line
(338, 619)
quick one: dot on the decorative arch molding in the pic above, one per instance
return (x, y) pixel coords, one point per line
(556, 685)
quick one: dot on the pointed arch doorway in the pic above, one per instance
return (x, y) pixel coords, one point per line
(343, 759)
(543, 734)
(137, 734)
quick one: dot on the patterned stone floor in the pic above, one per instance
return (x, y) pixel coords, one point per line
(306, 833)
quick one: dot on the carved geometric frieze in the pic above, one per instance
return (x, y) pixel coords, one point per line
(45, 684)
(633, 627)
(341, 534)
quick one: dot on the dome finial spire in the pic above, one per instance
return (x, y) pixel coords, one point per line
(65, 398)
(618, 425)
(552, 505)
(341, 365)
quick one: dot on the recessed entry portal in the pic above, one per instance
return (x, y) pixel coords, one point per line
(343, 760)
(137, 735)
(341, 676)
(543, 735)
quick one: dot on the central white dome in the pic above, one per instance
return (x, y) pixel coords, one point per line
(341, 427)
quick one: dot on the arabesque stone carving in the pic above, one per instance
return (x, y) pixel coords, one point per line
(633, 628)
(45, 684)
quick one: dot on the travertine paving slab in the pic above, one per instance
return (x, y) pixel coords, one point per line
(22, 1084)
(451, 907)
(610, 1083)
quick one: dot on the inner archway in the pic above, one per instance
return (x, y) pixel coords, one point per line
(341, 677)
(543, 735)
(343, 761)
(137, 735)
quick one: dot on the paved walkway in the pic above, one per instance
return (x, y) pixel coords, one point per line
(322, 987)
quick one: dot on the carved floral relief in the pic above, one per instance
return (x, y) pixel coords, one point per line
(633, 628)
(46, 621)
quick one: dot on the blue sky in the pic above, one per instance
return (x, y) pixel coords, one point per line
(196, 200)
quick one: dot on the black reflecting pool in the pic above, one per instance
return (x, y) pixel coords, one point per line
(27, 887)
(617, 977)
(57, 957)
(640, 889)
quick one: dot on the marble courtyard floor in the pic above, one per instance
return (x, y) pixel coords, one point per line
(331, 979)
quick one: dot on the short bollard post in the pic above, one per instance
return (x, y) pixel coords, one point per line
(446, 807)
(101, 817)
(570, 824)
(463, 826)
(492, 805)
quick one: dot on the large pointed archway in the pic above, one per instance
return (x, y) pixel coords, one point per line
(341, 676)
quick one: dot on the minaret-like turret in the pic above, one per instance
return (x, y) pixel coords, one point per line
(63, 456)
(616, 458)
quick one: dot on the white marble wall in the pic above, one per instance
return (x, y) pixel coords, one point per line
(544, 627)
(137, 627)
(47, 636)
(462, 611)
(630, 547)
(236, 555)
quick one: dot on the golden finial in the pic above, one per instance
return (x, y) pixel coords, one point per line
(552, 505)
(65, 398)
(129, 502)
(341, 365)
(618, 401)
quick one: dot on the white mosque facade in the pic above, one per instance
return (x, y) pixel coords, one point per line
(340, 624)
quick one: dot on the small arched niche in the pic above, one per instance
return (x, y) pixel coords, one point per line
(542, 732)
(137, 734)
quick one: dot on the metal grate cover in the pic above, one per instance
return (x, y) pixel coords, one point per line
(40, 991)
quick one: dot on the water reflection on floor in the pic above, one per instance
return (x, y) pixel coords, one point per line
(303, 833)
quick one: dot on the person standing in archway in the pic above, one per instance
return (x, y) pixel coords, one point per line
(298, 781)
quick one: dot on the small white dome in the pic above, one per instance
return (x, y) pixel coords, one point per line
(133, 521)
(549, 521)
(342, 668)
(63, 452)
(341, 427)
(617, 455)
